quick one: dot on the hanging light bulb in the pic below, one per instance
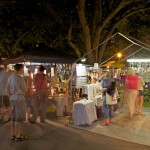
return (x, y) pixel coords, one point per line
(83, 59)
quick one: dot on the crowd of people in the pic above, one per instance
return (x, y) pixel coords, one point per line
(18, 95)
(132, 91)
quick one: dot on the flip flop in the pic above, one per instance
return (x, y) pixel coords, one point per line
(21, 138)
(13, 137)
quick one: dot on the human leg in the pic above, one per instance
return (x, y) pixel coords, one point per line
(36, 106)
(20, 116)
(15, 115)
(43, 107)
(43, 112)
(110, 107)
(17, 129)
(28, 108)
(131, 96)
(141, 99)
(141, 103)
(28, 112)
(105, 112)
(1, 108)
(18, 136)
(12, 128)
(137, 102)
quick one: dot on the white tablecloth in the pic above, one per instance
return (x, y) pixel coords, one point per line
(84, 112)
(97, 100)
(59, 105)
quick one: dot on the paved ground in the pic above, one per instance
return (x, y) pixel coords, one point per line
(55, 136)
(136, 130)
(123, 134)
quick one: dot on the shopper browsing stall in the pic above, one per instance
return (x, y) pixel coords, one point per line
(41, 95)
(16, 89)
(109, 99)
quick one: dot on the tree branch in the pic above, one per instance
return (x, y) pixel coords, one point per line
(116, 23)
(53, 13)
(113, 13)
(22, 37)
(74, 46)
(97, 16)
(110, 4)
(82, 18)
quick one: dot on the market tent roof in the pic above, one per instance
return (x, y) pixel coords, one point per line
(42, 54)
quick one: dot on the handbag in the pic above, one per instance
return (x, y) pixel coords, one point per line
(115, 97)
(111, 100)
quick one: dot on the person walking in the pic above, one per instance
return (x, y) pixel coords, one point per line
(41, 95)
(140, 96)
(16, 89)
(131, 90)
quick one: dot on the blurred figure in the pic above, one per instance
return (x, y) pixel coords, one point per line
(4, 99)
(122, 78)
(16, 89)
(106, 80)
(131, 90)
(140, 96)
(29, 96)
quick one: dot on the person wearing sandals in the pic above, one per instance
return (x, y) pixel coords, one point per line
(41, 95)
(109, 99)
(16, 89)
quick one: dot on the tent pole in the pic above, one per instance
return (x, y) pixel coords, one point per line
(130, 55)
(115, 54)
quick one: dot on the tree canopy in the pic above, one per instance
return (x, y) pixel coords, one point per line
(70, 25)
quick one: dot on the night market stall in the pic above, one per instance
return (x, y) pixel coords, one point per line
(58, 67)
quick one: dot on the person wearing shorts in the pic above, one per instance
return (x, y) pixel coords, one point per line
(140, 97)
(16, 89)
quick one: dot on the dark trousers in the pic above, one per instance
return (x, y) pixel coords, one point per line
(40, 103)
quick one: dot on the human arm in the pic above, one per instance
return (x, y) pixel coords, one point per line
(23, 85)
(142, 82)
(49, 79)
(8, 87)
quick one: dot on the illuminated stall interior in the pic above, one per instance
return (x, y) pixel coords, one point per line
(142, 66)
(57, 64)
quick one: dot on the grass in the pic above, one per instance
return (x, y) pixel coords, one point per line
(145, 104)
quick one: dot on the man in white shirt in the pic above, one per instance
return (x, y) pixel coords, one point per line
(140, 97)
(16, 89)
